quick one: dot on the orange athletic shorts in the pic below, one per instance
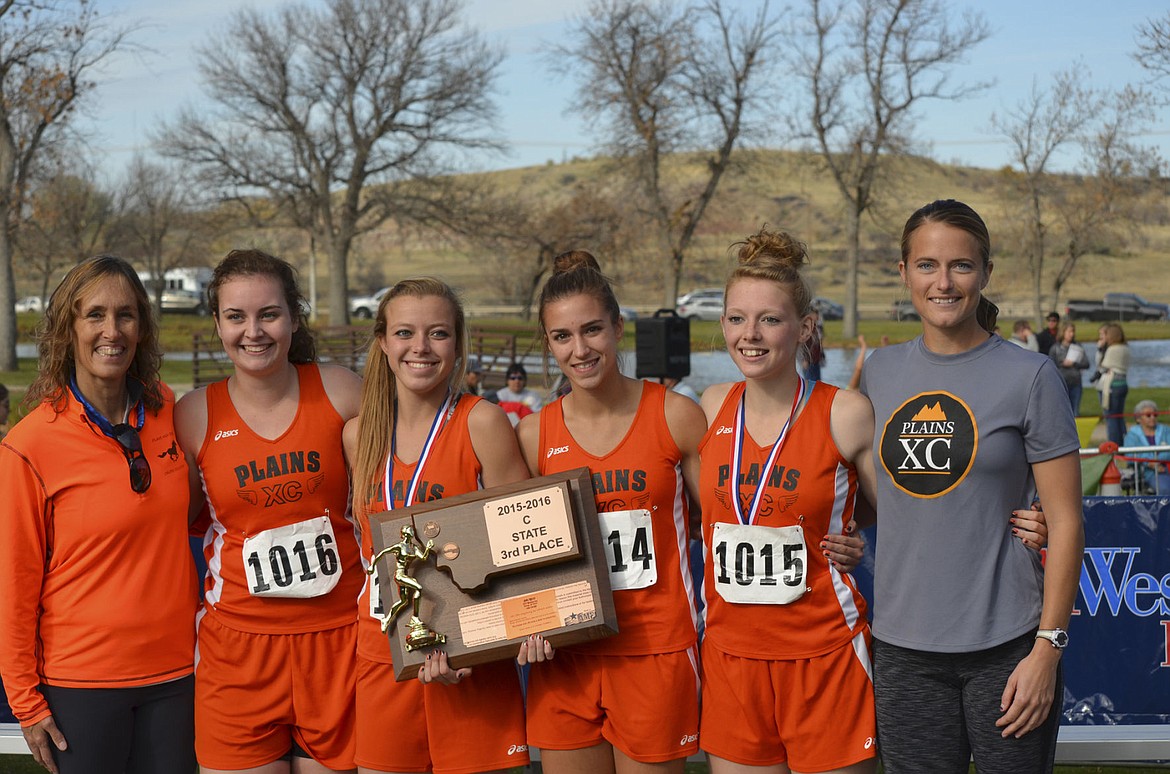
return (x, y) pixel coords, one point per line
(477, 725)
(816, 714)
(645, 706)
(256, 694)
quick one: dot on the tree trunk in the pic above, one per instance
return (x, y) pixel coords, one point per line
(852, 267)
(338, 287)
(8, 360)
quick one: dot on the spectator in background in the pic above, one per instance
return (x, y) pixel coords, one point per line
(1113, 366)
(1150, 432)
(812, 354)
(1071, 359)
(1050, 335)
(472, 381)
(1022, 336)
(516, 398)
(3, 411)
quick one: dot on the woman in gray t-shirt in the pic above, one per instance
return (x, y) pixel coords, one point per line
(968, 625)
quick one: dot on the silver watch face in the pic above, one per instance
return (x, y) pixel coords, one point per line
(1058, 637)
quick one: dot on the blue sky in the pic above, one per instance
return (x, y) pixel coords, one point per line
(1032, 39)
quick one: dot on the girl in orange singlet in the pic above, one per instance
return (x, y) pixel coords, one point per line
(420, 438)
(275, 677)
(787, 683)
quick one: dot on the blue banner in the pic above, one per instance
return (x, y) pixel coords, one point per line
(1117, 665)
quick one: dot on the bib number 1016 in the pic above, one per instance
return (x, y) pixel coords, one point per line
(281, 564)
(296, 560)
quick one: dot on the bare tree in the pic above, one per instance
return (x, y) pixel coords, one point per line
(1099, 209)
(315, 104)
(1153, 42)
(47, 50)
(159, 224)
(65, 222)
(866, 66)
(1036, 128)
(664, 79)
(524, 235)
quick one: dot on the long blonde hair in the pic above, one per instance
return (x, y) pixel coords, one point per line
(380, 391)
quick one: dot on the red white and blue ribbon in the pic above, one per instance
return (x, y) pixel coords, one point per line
(432, 435)
(737, 455)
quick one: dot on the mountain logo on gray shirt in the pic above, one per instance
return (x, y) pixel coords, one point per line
(928, 444)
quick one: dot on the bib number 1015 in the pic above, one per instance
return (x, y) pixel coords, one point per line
(791, 565)
(759, 565)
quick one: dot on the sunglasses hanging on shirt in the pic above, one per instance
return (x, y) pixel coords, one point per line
(126, 435)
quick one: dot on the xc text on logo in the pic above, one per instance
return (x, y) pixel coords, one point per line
(928, 444)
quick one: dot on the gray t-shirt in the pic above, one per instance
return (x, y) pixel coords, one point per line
(955, 438)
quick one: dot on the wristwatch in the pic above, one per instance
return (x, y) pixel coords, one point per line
(1058, 637)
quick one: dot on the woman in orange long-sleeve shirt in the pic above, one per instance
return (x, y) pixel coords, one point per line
(96, 633)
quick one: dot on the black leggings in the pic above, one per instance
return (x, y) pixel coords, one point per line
(145, 730)
(937, 710)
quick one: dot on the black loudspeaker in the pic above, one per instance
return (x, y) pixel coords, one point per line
(663, 345)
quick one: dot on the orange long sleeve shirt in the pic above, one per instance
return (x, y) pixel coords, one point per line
(99, 584)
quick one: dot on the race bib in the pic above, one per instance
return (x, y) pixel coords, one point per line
(629, 548)
(297, 560)
(759, 565)
(377, 611)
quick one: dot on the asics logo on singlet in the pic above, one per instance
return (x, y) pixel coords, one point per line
(868, 742)
(687, 739)
(725, 430)
(556, 451)
(225, 434)
(517, 748)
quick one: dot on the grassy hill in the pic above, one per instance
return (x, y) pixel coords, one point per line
(784, 189)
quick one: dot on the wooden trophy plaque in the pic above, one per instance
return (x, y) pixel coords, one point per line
(475, 575)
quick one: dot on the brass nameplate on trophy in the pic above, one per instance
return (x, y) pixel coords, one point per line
(478, 573)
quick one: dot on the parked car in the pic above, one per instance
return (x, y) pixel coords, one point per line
(903, 309)
(702, 308)
(628, 313)
(830, 310)
(1116, 306)
(365, 307)
(185, 301)
(695, 295)
(29, 304)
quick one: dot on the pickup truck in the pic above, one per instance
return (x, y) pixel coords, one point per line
(1116, 306)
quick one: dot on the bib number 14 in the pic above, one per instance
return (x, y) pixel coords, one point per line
(629, 548)
(759, 565)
